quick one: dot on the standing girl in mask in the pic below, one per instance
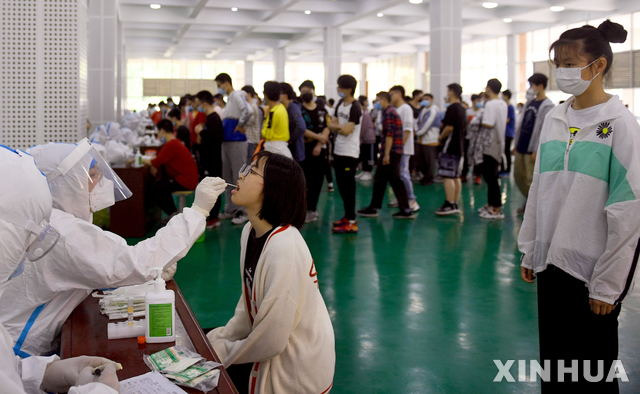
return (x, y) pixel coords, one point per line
(580, 235)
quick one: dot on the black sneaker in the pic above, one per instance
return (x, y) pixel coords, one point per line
(404, 215)
(368, 212)
(448, 209)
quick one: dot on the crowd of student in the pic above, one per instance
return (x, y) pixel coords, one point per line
(404, 139)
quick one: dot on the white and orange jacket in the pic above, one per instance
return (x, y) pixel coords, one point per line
(282, 326)
(583, 211)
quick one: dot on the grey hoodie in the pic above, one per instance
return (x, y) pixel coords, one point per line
(546, 106)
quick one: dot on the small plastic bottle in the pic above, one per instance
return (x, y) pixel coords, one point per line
(137, 161)
(160, 308)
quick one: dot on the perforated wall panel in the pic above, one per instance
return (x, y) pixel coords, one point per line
(43, 71)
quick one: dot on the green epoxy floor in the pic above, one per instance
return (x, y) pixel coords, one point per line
(418, 306)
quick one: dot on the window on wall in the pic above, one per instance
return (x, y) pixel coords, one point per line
(297, 72)
(481, 61)
(384, 73)
(139, 69)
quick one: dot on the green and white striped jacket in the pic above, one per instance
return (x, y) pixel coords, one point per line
(583, 212)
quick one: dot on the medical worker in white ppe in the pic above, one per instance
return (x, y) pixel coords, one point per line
(88, 257)
(25, 206)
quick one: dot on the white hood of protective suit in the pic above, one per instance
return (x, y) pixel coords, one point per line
(24, 196)
(69, 191)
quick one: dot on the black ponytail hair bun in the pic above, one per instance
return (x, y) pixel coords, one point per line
(612, 32)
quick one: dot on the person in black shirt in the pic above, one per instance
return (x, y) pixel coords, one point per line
(209, 148)
(316, 137)
(451, 140)
(182, 132)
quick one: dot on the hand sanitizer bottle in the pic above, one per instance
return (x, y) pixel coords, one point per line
(161, 312)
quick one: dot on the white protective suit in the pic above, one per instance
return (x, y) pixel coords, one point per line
(86, 258)
(24, 194)
(583, 210)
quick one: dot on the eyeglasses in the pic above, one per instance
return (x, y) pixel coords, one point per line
(248, 169)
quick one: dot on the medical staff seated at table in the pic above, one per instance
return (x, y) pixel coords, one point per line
(26, 237)
(41, 295)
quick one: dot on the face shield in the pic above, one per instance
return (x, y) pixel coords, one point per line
(96, 173)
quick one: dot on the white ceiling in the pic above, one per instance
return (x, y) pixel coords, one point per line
(210, 29)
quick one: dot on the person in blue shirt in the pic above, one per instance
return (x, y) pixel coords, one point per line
(510, 133)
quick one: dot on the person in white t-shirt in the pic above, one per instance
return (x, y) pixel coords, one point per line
(494, 122)
(345, 123)
(406, 114)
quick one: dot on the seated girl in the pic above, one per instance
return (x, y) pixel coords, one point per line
(280, 339)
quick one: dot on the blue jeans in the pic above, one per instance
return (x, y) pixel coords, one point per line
(405, 175)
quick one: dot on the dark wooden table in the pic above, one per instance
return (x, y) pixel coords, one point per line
(130, 218)
(85, 333)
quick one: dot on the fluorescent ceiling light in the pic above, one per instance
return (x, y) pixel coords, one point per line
(155, 6)
(556, 8)
(379, 14)
(489, 4)
(415, 1)
(307, 12)
(234, 9)
(507, 20)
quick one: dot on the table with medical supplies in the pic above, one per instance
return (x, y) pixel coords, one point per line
(85, 333)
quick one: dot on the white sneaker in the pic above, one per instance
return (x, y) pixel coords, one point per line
(393, 203)
(414, 206)
(312, 216)
(492, 215)
(365, 177)
(484, 208)
(240, 219)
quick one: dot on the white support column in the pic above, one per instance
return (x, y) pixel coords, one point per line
(248, 72)
(511, 64)
(102, 60)
(421, 68)
(363, 79)
(279, 60)
(120, 72)
(332, 60)
(446, 45)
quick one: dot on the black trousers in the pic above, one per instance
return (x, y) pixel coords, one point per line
(570, 331)
(465, 158)
(345, 167)
(367, 157)
(314, 168)
(240, 374)
(506, 166)
(490, 174)
(389, 173)
(162, 189)
(426, 162)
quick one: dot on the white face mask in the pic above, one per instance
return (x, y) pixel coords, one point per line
(102, 196)
(530, 95)
(569, 79)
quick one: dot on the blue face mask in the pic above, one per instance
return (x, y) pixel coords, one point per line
(189, 108)
(377, 106)
(341, 95)
(480, 104)
(425, 103)
(163, 140)
(222, 91)
(200, 109)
